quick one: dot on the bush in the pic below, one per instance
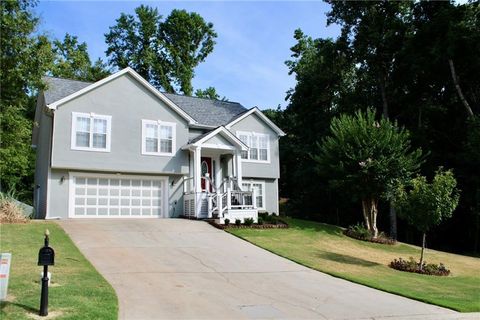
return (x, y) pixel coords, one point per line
(10, 212)
(359, 232)
(238, 222)
(413, 266)
(248, 221)
(226, 221)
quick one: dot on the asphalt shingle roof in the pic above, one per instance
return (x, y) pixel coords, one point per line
(207, 111)
(58, 88)
(204, 111)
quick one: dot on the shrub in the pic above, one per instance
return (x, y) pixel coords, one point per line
(359, 232)
(248, 221)
(226, 221)
(413, 266)
(10, 212)
(238, 222)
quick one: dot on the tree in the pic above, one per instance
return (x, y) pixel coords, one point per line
(25, 56)
(166, 52)
(424, 205)
(188, 39)
(71, 60)
(364, 156)
(209, 93)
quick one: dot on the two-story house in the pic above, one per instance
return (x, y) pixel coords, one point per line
(119, 148)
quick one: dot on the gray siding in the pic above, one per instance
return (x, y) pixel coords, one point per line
(127, 102)
(271, 193)
(42, 160)
(260, 170)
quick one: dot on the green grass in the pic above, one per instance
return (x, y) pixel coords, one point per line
(77, 290)
(324, 247)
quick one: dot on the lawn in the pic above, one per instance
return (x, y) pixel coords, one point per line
(324, 247)
(77, 290)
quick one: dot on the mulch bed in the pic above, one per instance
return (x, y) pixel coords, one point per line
(379, 239)
(279, 225)
(411, 265)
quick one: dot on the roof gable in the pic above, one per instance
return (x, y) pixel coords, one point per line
(260, 115)
(89, 87)
(209, 138)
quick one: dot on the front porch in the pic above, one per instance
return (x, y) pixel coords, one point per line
(213, 188)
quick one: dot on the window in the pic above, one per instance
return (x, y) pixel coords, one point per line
(158, 138)
(259, 187)
(91, 132)
(259, 145)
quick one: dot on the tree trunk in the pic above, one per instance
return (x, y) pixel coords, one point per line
(393, 222)
(369, 208)
(383, 93)
(459, 89)
(423, 250)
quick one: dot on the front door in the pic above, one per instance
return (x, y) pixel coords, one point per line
(206, 167)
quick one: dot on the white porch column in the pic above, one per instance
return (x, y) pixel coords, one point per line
(197, 174)
(238, 166)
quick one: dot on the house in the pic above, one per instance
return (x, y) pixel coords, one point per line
(120, 148)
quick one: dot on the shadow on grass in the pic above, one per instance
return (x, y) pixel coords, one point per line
(5, 304)
(314, 226)
(343, 258)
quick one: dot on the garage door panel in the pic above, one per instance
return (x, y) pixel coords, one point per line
(117, 197)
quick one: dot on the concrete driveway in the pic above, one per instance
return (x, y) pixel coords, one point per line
(181, 269)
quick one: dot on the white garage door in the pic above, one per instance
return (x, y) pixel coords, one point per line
(112, 196)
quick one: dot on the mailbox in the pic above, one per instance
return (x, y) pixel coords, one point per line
(46, 257)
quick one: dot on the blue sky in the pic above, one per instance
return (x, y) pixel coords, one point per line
(254, 40)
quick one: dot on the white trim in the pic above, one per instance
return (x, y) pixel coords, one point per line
(71, 194)
(256, 134)
(159, 123)
(264, 195)
(92, 117)
(261, 115)
(139, 78)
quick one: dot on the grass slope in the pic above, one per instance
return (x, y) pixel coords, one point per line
(323, 247)
(77, 290)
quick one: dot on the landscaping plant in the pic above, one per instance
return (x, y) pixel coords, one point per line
(424, 205)
(362, 156)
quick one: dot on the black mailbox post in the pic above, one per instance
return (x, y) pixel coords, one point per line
(46, 257)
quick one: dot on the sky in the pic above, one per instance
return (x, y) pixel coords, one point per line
(254, 40)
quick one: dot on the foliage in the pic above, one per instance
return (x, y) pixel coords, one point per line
(423, 204)
(413, 266)
(226, 221)
(394, 57)
(358, 231)
(71, 61)
(364, 157)
(25, 56)
(10, 211)
(325, 248)
(248, 221)
(165, 52)
(209, 93)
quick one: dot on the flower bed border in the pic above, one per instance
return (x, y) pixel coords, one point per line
(402, 265)
(279, 225)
